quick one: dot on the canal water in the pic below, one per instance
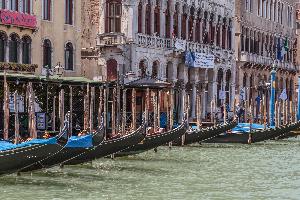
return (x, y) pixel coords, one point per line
(259, 171)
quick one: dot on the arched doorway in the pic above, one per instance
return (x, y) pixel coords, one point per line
(112, 70)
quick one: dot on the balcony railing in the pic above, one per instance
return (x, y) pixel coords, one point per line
(264, 60)
(111, 39)
(166, 43)
(17, 67)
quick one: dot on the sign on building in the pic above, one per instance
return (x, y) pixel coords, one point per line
(203, 60)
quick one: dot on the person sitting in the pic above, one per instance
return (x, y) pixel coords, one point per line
(46, 135)
(82, 133)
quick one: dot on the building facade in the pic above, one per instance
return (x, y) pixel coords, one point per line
(265, 37)
(41, 33)
(140, 37)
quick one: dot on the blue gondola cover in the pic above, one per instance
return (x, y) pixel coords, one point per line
(4, 145)
(80, 141)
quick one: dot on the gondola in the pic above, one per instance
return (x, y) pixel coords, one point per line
(14, 158)
(155, 140)
(110, 146)
(75, 146)
(204, 134)
(255, 136)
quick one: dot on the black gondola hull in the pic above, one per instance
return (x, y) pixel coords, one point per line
(253, 137)
(204, 134)
(108, 147)
(153, 141)
(65, 154)
(15, 160)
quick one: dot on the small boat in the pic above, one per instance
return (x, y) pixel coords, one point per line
(108, 147)
(254, 136)
(155, 140)
(75, 146)
(203, 134)
(15, 157)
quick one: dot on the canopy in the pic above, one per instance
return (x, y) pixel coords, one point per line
(80, 141)
(245, 127)
(148, 82)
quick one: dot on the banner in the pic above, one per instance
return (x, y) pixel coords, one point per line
(180, 45)
(203, 60)
(8, 17)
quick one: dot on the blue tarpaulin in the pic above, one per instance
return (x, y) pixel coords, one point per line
(245, 127)
(4, 145)
(80, 141)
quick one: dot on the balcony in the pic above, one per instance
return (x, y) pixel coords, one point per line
(14, 18)
(264, 60)
(111, 39)
(17, 67)
(155, 42)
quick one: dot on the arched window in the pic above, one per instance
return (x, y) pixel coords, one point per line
(69, 11)
(112, 70)
(167, 27)
(242, 39)
(204, 30)
(148, 19)
(219, 85)
(175, 25)
(13, 48)
(155, 69)
(47, 54)
(69, 55)
(26, 50)
(224, 34)
(3, 42)
(183, 26)
(211, 30)
(140, 18)
(227, 88)
(143, 68)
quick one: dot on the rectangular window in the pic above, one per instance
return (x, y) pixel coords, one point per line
(26, 6)
(14, 5)
(47, 4)
(3, 4)
(69, 11)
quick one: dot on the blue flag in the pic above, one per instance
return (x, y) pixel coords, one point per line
(189, 58)
(279, 50)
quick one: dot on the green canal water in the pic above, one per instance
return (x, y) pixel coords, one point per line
(260, 171)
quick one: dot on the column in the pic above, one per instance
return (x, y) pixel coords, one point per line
(201, 30)
(171, 23)
(144, 19)
(194, 30)
(187, 32)
(163, 21)
(179, 22)
(152, 17)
